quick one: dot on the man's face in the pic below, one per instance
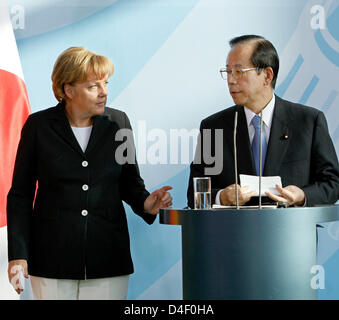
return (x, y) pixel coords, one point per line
(247, 90)
(89, 97)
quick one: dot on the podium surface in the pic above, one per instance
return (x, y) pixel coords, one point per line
(249, 253)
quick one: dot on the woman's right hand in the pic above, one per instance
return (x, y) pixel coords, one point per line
(14, 269)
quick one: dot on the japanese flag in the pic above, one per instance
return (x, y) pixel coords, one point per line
(14, 109)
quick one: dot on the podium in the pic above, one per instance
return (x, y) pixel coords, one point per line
(249, 253)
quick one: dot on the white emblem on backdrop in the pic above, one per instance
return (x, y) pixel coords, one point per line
(310, 62)
(309, 72)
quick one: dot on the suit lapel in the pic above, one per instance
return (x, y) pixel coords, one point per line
(279, 138)
(244, 153)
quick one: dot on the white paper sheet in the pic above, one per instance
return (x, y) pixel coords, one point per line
(270, 206)
(267, 183)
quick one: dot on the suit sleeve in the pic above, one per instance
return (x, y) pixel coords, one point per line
(21, 195)
(324, 188)
(196, 170)
(132, 187)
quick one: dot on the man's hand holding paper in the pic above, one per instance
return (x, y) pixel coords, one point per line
(272, 187)
(290, 194)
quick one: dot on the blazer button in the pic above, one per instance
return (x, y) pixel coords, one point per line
(85, 187)
(84, 164)
(84, 213)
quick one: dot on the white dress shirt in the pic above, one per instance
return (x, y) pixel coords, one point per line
(267, 116)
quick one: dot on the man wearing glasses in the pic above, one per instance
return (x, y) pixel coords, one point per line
(295, 140)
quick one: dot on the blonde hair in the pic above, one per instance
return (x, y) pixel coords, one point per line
(75, 64)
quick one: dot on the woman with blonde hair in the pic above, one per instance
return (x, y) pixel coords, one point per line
(71, 235)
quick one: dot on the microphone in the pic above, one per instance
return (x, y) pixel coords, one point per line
(235, 159)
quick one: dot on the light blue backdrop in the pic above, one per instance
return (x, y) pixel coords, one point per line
(167, 54)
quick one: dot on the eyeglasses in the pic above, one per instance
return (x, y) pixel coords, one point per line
(237, 73)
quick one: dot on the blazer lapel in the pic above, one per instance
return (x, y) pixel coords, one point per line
(100, 125)
(62, 128)
(279, 139)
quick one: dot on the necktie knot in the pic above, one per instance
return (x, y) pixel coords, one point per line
(256, 121)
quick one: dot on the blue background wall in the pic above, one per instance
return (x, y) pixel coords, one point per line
(167, 56)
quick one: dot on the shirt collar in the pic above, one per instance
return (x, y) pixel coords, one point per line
(267, 113)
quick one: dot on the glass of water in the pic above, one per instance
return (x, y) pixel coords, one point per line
(202, 193)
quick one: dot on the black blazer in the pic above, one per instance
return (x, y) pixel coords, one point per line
(306, 158)
(69, 232)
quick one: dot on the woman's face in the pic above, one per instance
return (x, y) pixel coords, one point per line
(88, 98)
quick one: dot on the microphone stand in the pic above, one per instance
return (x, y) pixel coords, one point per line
(260, 159)
(235, 159)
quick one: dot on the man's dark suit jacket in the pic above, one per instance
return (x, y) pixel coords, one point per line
(55, 235)
(300, 150)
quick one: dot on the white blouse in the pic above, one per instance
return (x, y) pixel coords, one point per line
(82, 135)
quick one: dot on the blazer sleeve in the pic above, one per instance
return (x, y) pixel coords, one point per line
(324, 188)
(132, 187)
(21, 195)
